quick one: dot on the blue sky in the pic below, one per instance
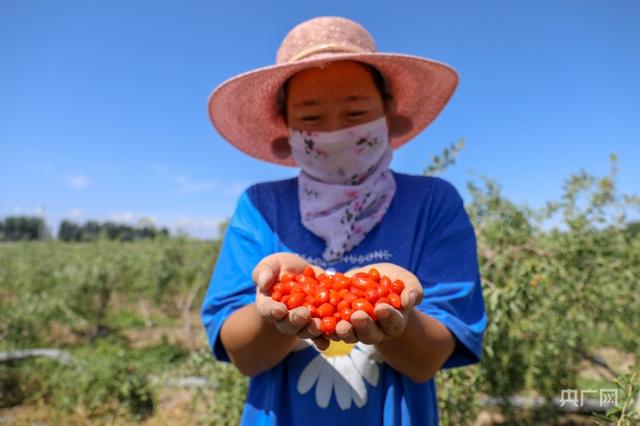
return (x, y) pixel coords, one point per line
(103, 106)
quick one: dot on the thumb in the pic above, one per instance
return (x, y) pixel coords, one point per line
(263, 276)
(272, 265)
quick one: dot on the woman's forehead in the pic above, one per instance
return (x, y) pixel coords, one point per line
(333, 69)
(349, 78)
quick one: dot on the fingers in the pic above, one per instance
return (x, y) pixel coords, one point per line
(311, 330)
(412, 293)
(392, 322)
(410, 297)
(269, 309)
(321, 342)
(365, 328)
(294, 322)
(351, 272)
(318, 270)
(270, 267)
(345, 331)
(263, 275)
(297, 321)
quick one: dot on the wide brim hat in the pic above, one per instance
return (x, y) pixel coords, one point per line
(244, 110)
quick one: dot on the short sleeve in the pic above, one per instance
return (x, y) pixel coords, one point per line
(449, 273)
(231, 286)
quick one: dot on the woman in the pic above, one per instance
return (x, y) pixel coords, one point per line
(335, 107)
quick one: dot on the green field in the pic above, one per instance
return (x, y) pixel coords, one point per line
(563, 304)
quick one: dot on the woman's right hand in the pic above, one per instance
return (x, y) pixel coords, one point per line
(298, 321)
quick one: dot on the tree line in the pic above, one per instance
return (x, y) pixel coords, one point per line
(21, 228)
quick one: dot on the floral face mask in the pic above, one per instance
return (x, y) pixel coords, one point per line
(345, 156)
(345, 185)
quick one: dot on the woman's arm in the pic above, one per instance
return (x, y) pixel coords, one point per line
(446, 330)
(421, 350)
(253, 344)
(260, 335)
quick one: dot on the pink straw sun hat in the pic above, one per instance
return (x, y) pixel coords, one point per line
(244, 108)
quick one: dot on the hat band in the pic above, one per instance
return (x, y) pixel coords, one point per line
(329, 47)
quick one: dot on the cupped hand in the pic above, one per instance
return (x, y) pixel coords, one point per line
(297, 321)
(391, 322)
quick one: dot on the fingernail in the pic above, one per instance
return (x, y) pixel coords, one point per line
(384, 313)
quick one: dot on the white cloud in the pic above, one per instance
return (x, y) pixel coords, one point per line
(78, 182)
(74, 213)
(235, 189)
(199, 223)
(184, 183)
(31, 211)
(187, 185)
(148, 220)
(126, 217)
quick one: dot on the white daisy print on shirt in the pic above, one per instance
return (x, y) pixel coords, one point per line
(341, 369)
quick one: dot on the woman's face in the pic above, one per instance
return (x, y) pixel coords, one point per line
(340, 95)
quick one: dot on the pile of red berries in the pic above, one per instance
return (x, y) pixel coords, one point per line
(335, 297)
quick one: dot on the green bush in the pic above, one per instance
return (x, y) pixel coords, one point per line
(230, 387)
(74, 284)
(102, 382)
(553, 294)
(98, 381)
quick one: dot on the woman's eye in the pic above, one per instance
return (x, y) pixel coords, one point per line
(356, 113)
(310, 118)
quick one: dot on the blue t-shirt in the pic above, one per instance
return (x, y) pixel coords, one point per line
(425, 230)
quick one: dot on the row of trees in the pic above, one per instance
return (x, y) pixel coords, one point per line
(20, 228)
(91, 230)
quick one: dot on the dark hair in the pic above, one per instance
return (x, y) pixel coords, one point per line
(378, 79)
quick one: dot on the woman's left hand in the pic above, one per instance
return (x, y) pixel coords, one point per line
(391, 322)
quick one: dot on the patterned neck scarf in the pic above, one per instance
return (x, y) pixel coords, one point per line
(345, 186)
